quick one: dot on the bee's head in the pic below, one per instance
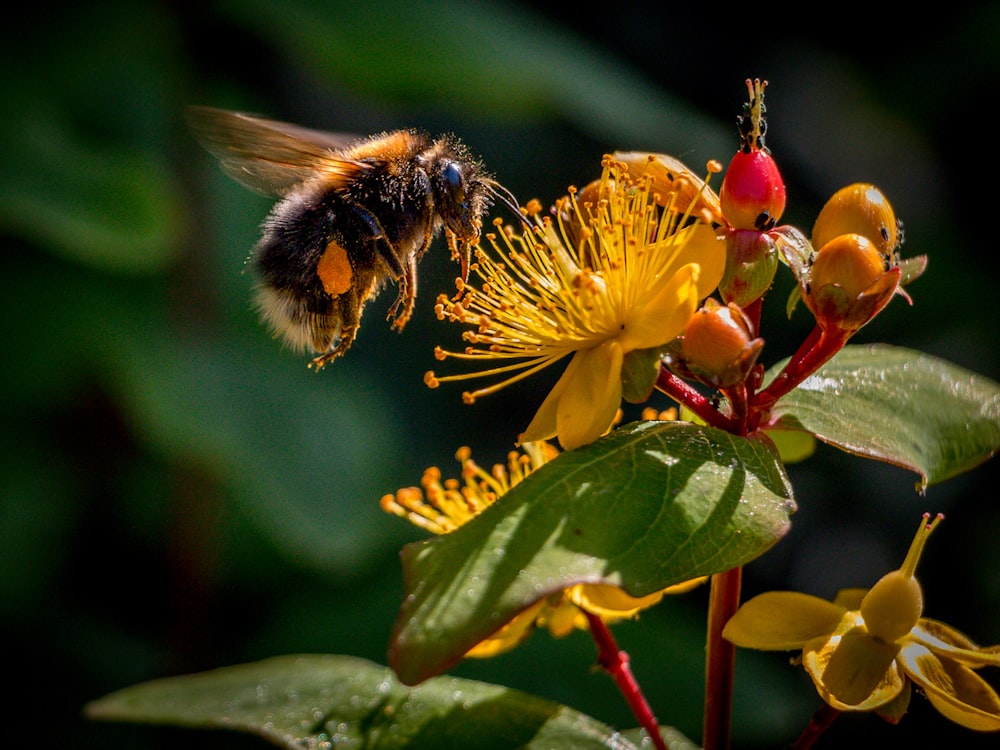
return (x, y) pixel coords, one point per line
(463, 192)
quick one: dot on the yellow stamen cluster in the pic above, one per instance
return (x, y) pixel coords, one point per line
(571, 283)
(444, 505)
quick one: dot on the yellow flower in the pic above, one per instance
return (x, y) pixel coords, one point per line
(863, 649)
(443, 506)
(612, 274)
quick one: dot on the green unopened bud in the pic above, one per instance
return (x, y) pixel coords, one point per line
(751, 262)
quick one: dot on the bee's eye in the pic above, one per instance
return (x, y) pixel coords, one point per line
(454, 181)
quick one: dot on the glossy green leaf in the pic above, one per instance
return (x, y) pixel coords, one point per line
(900, 406)
(315, 701)
(639, 372)
(650, 505)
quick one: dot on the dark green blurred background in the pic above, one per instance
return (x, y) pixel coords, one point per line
(179, 493)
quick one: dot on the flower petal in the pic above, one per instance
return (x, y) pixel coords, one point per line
(709, 250)
(698, 244)
(945, 641)
(592, 395)
(511, 634)
(543, 424)
(563, 618)
(693, 276)
(853, 671)
(663, 317)
(956, 691)
(610, 602)
(850, 598)
(782, 621)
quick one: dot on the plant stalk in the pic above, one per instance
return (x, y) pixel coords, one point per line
(724, 600)
(616, 663)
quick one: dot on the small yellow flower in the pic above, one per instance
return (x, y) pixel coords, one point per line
(443, 506)
(863, 649)
(614, 273)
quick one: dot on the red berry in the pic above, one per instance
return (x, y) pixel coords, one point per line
(753, 193)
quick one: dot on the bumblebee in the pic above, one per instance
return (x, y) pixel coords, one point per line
(353, 214)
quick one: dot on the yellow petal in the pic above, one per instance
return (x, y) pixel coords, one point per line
(592, 395)
(955, 690)
(685, 586)
(543, 424)
(511, 634)
(850, 598)
(945, 641)
(709, 251)
(563, 618)
(691, 277)
(663, 317)
(610, 602)
(853, 671)
(782, 621)
(696, 244)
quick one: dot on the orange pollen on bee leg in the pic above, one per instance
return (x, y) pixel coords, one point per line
(334, 270)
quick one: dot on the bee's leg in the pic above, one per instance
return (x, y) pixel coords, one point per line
(347, 310)
(406, 297)
(347, 335)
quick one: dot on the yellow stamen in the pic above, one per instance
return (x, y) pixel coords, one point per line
(441, 506)
(568, 284)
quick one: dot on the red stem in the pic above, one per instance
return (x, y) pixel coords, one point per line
(724, 600)
(616, 663)
(684, 394)
(817, 349)
(819, 723)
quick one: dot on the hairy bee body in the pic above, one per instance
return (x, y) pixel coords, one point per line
(353, 215)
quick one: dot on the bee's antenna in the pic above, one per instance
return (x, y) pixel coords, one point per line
(507, 198)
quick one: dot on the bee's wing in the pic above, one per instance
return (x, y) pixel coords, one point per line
(270, 156)
(670, 174)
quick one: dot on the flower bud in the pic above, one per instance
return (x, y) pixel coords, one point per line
(751, 262)
(848, 283)
(718, 346)
(862, 209)
(850, 261)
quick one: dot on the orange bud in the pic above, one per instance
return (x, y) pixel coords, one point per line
(862, 209)
(718, 345)
(850, 261)
(848, 283)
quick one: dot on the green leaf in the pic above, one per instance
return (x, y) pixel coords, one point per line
(900, 406)
(639, 372)
(650, 505)
(314, 701)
